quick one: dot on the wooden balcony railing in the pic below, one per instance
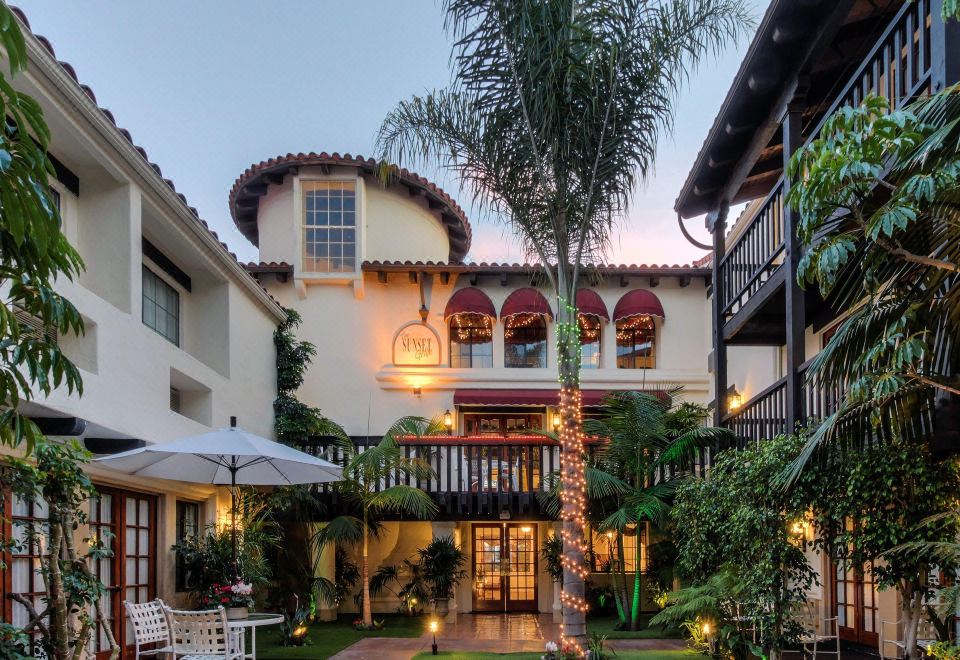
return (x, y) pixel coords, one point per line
(473, 477)
(763, 416)
(898, 67)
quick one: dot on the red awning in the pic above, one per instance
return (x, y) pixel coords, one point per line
(638, 302)
(589, 303)
(466, 397)
(525, 301)
(470, 301)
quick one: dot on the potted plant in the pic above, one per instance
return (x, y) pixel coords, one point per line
(443, 567)
(236, 598)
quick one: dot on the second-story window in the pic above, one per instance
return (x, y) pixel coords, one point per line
(329, 227)
(471, 341)
(636, 343)
(161, 306)
(589, 341)
(525, 341)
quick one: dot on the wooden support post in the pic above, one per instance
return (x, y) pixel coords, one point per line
(796, 321)
(718, 222)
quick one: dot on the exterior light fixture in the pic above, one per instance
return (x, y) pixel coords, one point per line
(417, 391)
(526, 529)
(556, 421)
(434, 626)
(705, 627)
(735, 401)
(448, 420)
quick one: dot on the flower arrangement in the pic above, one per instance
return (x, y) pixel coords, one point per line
(556, 652)
(238, 594)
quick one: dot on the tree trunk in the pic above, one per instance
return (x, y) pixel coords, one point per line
(637, 586)
(911, 599)
(365, 576)
(622, 579)
(572, 467)
(615, 582)
(59, 616)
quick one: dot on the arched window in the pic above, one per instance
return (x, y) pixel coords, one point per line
(525, 341)
(589, 342)
(636, 343)
(471, 341)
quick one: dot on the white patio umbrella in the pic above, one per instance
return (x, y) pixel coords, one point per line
(225, 457)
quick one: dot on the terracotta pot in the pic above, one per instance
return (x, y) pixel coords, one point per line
(441, 606)
(238, 612)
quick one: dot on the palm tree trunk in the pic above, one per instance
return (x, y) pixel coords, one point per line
(365, 576)
(637, 586)
(615, 581)
(571, 463)
(622, 581)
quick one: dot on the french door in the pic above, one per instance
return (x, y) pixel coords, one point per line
(854, 596)
(505, 567)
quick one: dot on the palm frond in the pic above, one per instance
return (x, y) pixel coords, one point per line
(404, 500)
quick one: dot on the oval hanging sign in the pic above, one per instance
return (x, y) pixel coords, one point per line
(416, 344)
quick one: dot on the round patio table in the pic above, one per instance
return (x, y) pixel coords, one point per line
(253, 621)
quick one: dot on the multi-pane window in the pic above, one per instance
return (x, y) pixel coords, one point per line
(607, 555)
(589, 342)
(30, 532)
(636, 343)
(188, 527)
(161, 306)
(103, 527)
(525, 341)
(471, 340)
(329, 227)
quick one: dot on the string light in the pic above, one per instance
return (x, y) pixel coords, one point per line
(573, 494)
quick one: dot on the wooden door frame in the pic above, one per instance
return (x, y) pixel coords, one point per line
(504, 605)
(855, 633)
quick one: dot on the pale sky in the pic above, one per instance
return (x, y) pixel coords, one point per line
(208, 88)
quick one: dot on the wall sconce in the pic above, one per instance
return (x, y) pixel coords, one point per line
(448, 420)
(798, 530)
(417, 391)
(556, 422)
(734, 401)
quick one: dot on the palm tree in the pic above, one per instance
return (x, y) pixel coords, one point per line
(553, 116)
(651, 445)
(364, 493)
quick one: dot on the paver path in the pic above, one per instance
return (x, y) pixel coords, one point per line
(489, 633)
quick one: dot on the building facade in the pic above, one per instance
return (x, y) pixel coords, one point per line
(178, 338)
(800, 68)
(404, 327)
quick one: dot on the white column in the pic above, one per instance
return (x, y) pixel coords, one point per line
(557, 607)
(608, 345)
(448, 528)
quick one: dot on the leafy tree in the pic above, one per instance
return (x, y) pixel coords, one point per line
(872, 511)
(33, 253)
(295, 421)
(878, 195)
(647, 435)
(734, 523)
(72, 613)
(554, 114)
(363, 490)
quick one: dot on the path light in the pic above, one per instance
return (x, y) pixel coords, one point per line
(434, 625)
(448, 420)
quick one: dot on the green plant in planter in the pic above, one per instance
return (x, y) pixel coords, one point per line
(442, 562)
(412, 589)
(552, 554)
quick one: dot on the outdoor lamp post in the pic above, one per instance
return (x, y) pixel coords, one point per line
(433, 628)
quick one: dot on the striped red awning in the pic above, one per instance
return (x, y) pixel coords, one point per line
(525, 301)
(638, 302)
(470, 301)
(469, 397)
(589, 303)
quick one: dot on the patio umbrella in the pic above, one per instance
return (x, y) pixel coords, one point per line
(225, 457)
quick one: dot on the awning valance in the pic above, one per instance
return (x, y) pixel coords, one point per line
(638, 302)
(472, 397)
(589, 303)
(470, 301)
(525, 301)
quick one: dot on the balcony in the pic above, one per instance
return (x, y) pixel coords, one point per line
(751, 279)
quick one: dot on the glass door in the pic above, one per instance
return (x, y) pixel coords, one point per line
(855, 604)
(504, 567)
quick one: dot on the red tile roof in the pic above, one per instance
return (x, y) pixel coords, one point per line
(248, 188)
(694, 269)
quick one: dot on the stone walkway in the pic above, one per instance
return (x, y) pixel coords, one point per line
(488, 633)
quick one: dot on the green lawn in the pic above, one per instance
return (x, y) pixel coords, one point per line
(605, 625)
(329, 638)
(621, 655)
